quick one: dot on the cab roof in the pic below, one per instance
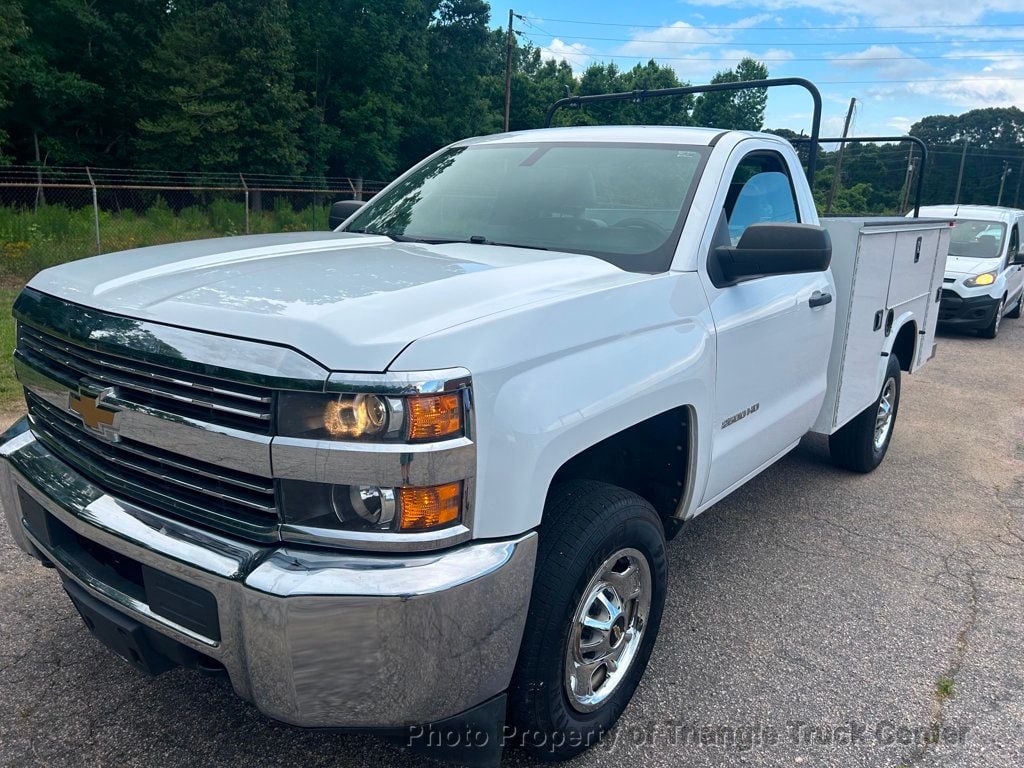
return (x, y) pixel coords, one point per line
(640, 134)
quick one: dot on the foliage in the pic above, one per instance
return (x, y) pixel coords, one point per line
(990, 128)
(339, 87)
(10, 390)
(31, 240)
(739, 110)
(352, 88)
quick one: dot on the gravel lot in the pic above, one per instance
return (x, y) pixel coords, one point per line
(815, 618)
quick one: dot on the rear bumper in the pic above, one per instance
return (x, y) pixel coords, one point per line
(973, 312)
(316, 638)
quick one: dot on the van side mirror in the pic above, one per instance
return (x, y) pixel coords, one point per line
(774, 249)
(1019, 258)
(341, 210)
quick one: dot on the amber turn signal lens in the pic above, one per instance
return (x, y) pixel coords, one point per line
(432, 507)
(434, 416)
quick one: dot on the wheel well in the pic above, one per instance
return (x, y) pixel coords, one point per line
(650, 458)
(905, 345)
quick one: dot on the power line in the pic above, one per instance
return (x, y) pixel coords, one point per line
(857, 59)
(744, 29)
(786, 43)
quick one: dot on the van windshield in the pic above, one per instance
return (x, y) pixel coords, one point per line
(977, 239)
(624, 203)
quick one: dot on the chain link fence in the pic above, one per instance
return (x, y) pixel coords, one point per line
(57, 214)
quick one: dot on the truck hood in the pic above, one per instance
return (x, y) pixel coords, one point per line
(351, 302)
(968, 265)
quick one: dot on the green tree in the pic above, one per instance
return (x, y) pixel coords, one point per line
(738, 110)
(12, 32)
(989, 128)
(221, 90)
(195, 117)
(72, 86)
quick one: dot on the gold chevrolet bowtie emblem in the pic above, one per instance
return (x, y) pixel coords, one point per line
(97, 417)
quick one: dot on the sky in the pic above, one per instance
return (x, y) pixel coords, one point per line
(901, 59)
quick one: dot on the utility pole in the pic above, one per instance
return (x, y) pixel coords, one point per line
(1002, 182)
(910, 178)
(960, 176)
(839, 158)
(1016, 195)
(508, 68)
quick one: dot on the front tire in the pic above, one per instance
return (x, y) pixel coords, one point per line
(1015, 312)
(861, 445)
(991, 330)
(598, 595)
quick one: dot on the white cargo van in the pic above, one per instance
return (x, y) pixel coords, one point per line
(984, 278)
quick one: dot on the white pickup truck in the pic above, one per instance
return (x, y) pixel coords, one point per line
(421, 470)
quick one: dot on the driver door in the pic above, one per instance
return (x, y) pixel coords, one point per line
(773, 345)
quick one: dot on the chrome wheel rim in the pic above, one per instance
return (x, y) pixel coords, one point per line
(607, 629)
(883, 420)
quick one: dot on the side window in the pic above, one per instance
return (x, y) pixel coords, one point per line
(1014, 247)
(761, 190)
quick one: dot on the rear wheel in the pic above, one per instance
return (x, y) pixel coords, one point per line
(861, 445)
(598, 595)
(992, 329)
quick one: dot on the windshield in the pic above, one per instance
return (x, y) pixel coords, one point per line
(624, 203)
(977, 239)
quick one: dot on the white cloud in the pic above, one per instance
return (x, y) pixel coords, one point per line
(695, 53)
(910, 12)
(888, 61)
(900, 124)
(577, 54)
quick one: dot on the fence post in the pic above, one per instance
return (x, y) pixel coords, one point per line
(95, 210)
(246, 188)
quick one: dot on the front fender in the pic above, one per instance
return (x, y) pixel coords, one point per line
(550, 381)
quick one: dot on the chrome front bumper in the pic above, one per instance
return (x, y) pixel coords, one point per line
(311, 637)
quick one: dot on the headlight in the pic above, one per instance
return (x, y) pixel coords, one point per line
(378, 418)
(369, 508)
(985, 278)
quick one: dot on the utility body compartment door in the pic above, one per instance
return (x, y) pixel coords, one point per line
(888, 272)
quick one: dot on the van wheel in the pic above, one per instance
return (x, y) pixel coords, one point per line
(992, 329)
(598, 594)
(1015, 312)
(861, 445)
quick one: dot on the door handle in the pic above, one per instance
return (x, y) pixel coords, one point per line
(819, 299)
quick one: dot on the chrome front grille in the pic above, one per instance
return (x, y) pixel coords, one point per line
(177, 392)
(175, 483)
(156, 479)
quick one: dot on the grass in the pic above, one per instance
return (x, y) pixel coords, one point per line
(944, 688)
(34, 239)
(10, 390)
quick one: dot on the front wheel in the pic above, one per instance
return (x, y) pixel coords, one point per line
(992, 329)
(861, 445)
(1015, 312)
(598, 594)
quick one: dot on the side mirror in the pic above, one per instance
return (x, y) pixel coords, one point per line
(774, 249)
(341, 210)
(1019, 258)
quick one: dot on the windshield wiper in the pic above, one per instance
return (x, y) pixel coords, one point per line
(481, 240)
(404, 238)
(475, 240)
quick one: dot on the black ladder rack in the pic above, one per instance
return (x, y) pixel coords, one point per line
(880, 139)
(640, 96)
